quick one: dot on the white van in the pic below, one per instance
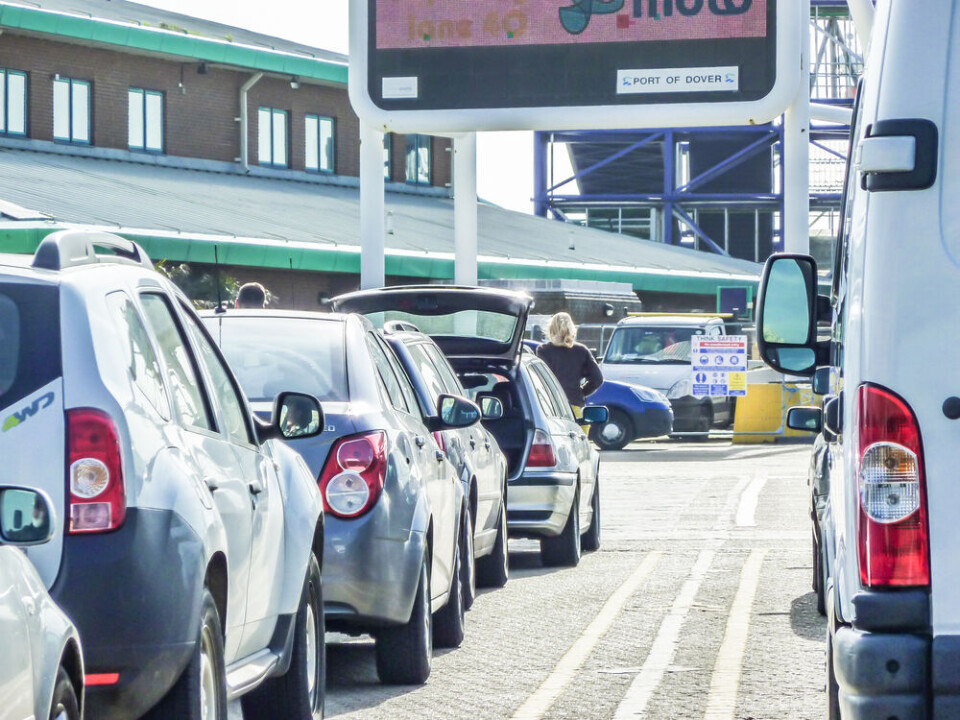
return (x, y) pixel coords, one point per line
(892, 530)
(653, 349)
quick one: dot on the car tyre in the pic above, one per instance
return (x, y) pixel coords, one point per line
(299, 693)
(201, 691)
(564, 549)
(591, 538)
(468, 562)
(404, 653)
(616, 433)
(449, 621)
(494, 569)
(64, 705)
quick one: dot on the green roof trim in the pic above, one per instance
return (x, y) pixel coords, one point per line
(170, 43)
(278, 255)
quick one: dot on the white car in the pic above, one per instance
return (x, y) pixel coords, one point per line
(190, 553)
(41, 663)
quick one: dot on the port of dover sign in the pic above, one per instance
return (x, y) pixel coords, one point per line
(719, 365)
(470, 65)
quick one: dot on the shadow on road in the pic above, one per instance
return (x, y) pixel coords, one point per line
(805, 621)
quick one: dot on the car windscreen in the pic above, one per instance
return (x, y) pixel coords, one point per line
(651, 345)
(274, 355)
(29, 339)
(483, 324)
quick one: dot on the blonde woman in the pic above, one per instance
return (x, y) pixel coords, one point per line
(571, 362)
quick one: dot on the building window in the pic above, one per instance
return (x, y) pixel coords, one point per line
(145, 120)
(13, 102)
(387, 156)
(71, 110)
(320, 153)
(272, 127)
(418, 159)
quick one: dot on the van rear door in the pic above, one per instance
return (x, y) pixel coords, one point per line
(31, 402)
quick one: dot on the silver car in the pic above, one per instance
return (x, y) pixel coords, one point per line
(394, 504)
(41, 663)
(552, 470)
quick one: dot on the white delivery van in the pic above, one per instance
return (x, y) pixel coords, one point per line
(653, 349)
(893, 421)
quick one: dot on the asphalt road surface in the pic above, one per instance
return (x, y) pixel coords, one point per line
(698, 605)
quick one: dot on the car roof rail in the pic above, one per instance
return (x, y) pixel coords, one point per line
(71, 248)
(395, 326)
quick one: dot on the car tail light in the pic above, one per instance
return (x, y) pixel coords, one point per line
(893, 535)
(352, 479)
(98, 500)
(541, 451)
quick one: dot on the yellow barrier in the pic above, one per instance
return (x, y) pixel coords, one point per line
(764, 410)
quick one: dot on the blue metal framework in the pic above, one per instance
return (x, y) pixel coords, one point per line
(675, 200)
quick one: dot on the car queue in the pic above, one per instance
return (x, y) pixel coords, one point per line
(204, 497)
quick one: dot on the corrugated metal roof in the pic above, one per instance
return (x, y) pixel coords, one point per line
(263, 212)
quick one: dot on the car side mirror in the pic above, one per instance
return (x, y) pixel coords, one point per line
(787, 314)
(806, 419)
(454, 411)
(593, 414)
(491, 408)
(25, 517)
(295, 416)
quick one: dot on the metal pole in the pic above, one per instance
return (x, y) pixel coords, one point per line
(796, 160)
(465, 209)
(372, 265)
(540, 144)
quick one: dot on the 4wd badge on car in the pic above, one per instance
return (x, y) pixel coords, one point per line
(28, 411)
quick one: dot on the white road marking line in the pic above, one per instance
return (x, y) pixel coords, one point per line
(725, 681)
(563, 674)
(747, 510)
(634, 703)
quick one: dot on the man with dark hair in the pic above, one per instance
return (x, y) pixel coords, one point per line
(251, 295)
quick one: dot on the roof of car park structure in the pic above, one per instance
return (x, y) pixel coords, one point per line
(197, 210)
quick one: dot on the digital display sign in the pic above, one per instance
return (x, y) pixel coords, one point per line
(464, 65)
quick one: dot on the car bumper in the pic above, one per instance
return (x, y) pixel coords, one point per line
(370, 575)
(653, 422)
(134, 595)
(538, 505)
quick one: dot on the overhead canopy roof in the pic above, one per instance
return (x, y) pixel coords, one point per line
(183, 215)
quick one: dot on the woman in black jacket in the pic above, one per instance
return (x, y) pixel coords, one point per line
(571, 362)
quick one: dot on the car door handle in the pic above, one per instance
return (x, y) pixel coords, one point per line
(29, 606)
(441, 456)
(420, 441)
(212, 484)
(572, 435)
(473, 443)
(255, 487)
(486, 445)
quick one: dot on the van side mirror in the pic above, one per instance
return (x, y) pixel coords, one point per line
(806, 419)
(25, 517)
(787, 314)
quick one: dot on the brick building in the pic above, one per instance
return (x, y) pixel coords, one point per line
(212, 144)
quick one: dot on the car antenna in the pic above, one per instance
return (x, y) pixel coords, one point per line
(216, 264)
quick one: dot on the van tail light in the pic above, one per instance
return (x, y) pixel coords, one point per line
(541, 451)
(98, 500)
(893, 532)
(352, 478)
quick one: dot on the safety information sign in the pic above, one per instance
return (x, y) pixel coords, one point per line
(719, 384)
(725, 353)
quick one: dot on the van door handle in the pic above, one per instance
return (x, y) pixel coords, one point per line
(212, 484)
(255, 487)
(420, 440)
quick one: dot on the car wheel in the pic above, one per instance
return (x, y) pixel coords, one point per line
(404, 653)
(564, 549)
(591, 539)
(299, 693)
(449, 621)
(616, 433)
(64, 705)
(201, 691)
(494, 569)
(468, 563)
(833, 689)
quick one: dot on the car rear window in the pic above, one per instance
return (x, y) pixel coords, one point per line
(29, 339)
(270, 355)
